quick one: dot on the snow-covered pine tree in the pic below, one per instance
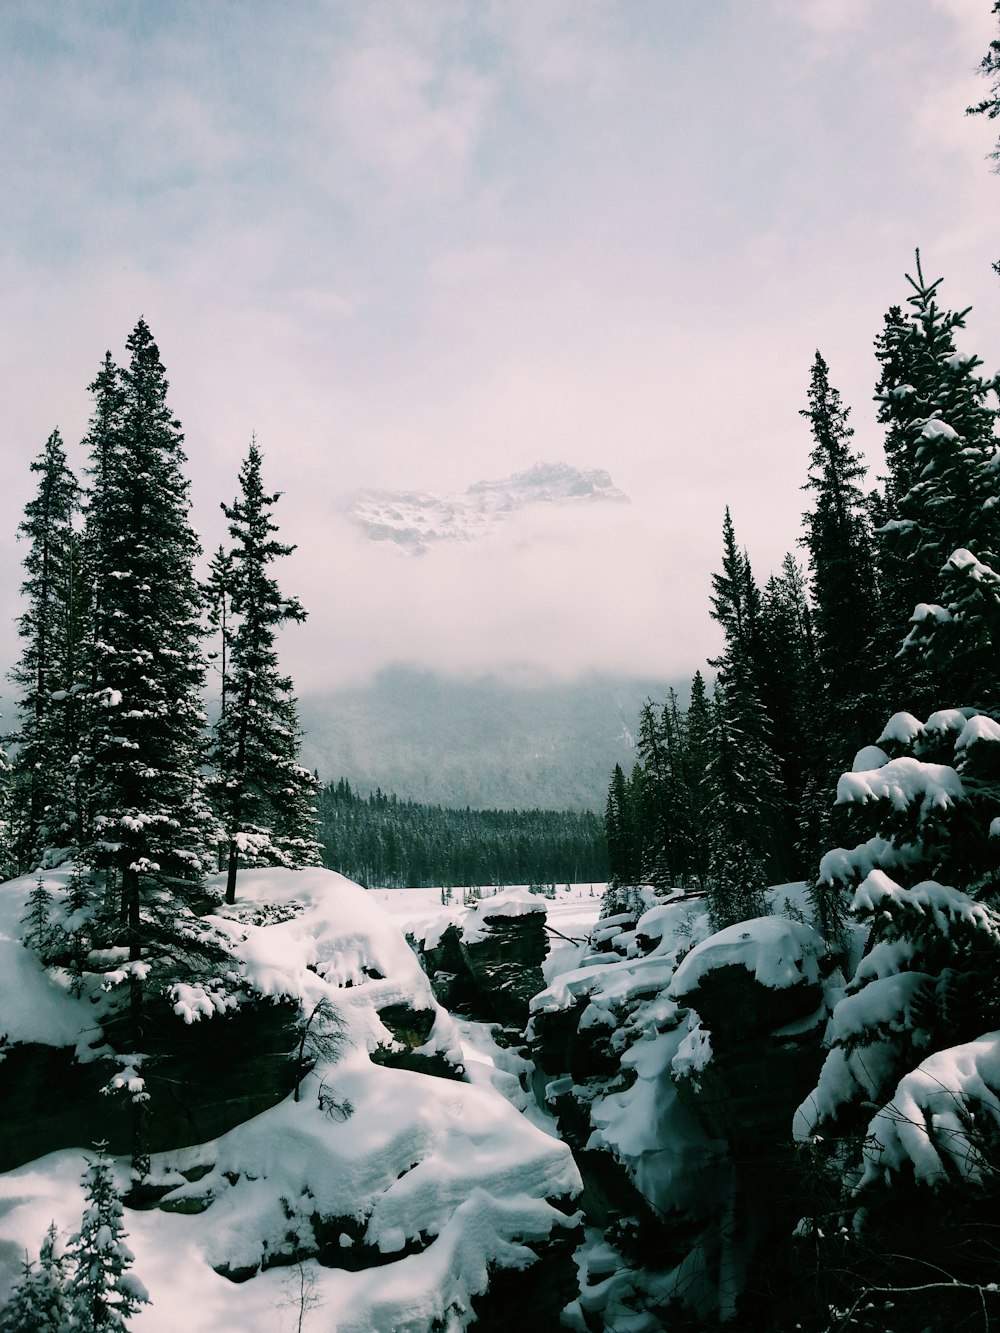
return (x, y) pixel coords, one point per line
(143, 748)
(39, 1302)
(50, 632)
(264, 796)
(103, 1291)
(841, 572)
(37, 918)
(948, 524)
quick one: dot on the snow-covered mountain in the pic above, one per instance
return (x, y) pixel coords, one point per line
(416, 520)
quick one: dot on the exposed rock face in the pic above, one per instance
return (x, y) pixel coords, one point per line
(202, 1080)
(489, 964)
(505, 962)
(756, 1050)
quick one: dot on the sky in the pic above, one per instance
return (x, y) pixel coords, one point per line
(420, 245)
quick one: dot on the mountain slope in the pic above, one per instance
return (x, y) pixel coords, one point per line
(484, 743)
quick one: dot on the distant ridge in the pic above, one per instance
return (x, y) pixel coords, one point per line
(487, 743)
(417, 520)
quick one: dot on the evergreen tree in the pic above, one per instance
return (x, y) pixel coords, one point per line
(39, 1302)
(841, 571)
(949, 519)
(143, 750)
(696, 759)
(218, 593)
(792, 688)
(48, 667)
(990, 106)
(264, 795)
(742, 780)
(746, 800)
(661, 853)
(103, 1292)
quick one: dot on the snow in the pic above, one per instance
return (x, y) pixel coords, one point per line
(843, 865)
(447, 1168)
(779, 953)
(933, 430)
(978, 728)
(510, 903)
(36, 1005)
(902, 782)
(940, 1118)
(942, 905)
(902, 728)
(867, 758)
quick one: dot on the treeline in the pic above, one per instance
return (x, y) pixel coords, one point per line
(112, 762)
(381, 841)
(890, 612)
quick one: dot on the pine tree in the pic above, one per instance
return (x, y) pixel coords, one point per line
(150, 824)
(949, 519)
(50, 631)
(791, 686)
(39, 1302)
(264, 795)
(103, 1292)
(990, 68)
(746, 802)
(656, 744)
(218, 593)
(841, 571)
(696, 761)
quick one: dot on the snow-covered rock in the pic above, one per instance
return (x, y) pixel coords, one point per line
(398, 1195)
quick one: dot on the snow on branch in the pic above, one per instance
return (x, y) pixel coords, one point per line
(940, 1119)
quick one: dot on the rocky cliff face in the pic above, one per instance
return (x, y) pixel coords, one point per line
(488, 961)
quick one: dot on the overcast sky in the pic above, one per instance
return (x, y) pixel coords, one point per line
(418, 245)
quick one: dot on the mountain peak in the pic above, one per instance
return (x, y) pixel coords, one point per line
(417, 520)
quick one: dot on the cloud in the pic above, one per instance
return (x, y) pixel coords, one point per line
(417, 246)
(526, 596)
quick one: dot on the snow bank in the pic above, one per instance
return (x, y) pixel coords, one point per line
(36, 1005)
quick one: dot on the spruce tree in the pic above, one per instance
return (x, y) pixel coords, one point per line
(696, 759)
(149, 821)
(990, 106)
(948, 523)
(39, 1302)
(791, 686)
(47, 671)
(841, 571)
(746, 802)
(264, 796)
(102, 1290)
(656, 746)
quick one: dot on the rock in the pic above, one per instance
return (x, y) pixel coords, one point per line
(202, 1078)
(490, 965)
(410, 1029)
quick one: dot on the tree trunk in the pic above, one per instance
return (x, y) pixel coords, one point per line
(234, 857)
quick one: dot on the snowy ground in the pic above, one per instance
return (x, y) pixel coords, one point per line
(451, 1167)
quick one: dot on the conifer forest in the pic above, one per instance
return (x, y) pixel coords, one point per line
(280, 1055)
